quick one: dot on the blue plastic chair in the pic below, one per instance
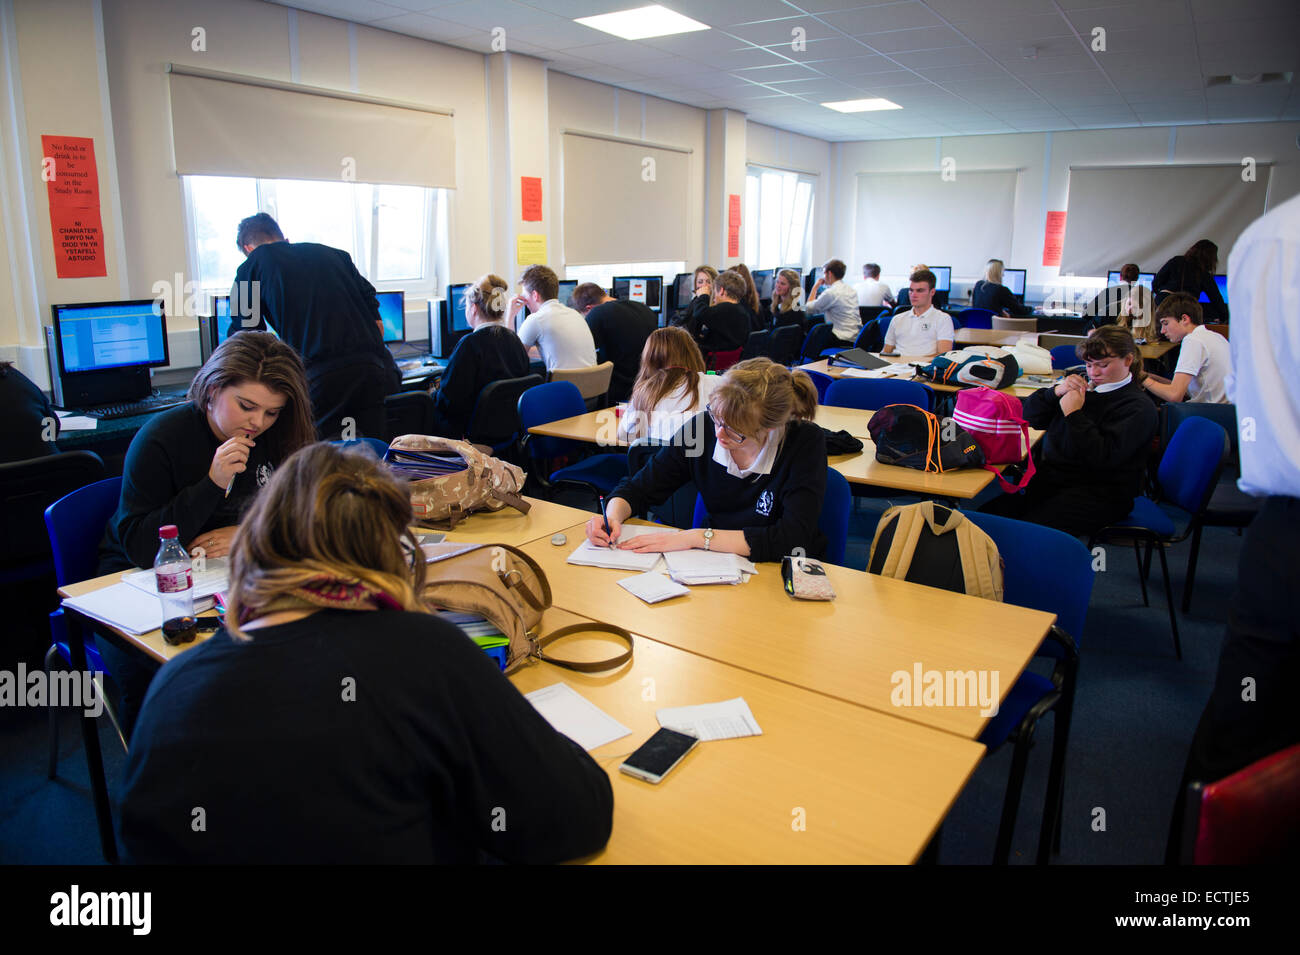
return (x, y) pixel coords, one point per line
(374, 444)
(817, 341)
(871, 338)
(822, 382)
(833, 521)
(872, 394)
(975, 318)
(75, 523)
(553, 402)
(1187, 476)
(1064, 356)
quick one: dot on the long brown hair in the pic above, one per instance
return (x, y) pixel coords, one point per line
(751, 290)
(326, 513)
(758, 395)
(669, 360)
(262, 358)
(1112, 341)
(1204, 254)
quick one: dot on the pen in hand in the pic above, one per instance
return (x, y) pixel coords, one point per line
(230, 485)
(605, 517)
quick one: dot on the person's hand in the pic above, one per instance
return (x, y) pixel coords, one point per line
(1072, 401)
(214, 543)
(662, 543)
(231, 459)
(517, 305)
(596, 531)
(1068, 383)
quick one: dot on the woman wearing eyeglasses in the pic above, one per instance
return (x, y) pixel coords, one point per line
(759, 463)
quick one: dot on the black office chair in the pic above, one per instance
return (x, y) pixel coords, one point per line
(27, 488)
(870, 313)
(678, 509)
(783, 346)
(410, 412)
(495, 419)
(756, 345)
(871, 338)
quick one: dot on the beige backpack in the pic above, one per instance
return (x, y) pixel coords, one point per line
(451, 479)
(930, 544)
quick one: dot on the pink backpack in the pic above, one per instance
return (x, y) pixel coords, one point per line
(997, 424)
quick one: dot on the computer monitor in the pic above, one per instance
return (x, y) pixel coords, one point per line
(567, 288)
(1014, 279)
(453, 320)
(811, 278)
(763, 280)
(646, 289)
(392, 312)
(220, 317)
(942, 277)
(1144, 278)
(681, 291)
(107, 335)
(1222, 282)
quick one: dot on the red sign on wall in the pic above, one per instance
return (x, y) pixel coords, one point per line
(733, 226)
(72, 184)
(1054, 238)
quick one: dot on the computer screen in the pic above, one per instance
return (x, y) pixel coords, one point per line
(1014, 279)
(103, 335)
(221, 316)
(1144, 278)
(453, 319)
(685, 287)
(646, 289)
(567, 288)
(392, 312)
(763, 280)
(942, 277)
(1222, 282)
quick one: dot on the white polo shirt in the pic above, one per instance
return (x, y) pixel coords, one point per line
(839, 304)
(913, 334)
(872, 292)
(561, 336)
(1207, 357)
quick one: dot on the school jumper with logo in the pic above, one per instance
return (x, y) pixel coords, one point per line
(778, 511)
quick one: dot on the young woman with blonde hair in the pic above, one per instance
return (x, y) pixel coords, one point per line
(336, 720)
(670, 389)
(706, 280)
(787, 301)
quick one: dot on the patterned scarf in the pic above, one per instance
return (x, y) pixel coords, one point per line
(329, 593)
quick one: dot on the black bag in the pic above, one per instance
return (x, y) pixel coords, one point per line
(911, 438)
(840, 442)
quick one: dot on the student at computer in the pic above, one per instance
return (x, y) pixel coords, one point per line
(620, 330)
(562, 338)
(784, 308)
(705, 278)
(1128, 304)
(199, 465)
(1193, 273)
(873, 293)
(922, 330)
(1204, 361)
(989, 293)
(28, 418)
(751, 303)
(671, 387)
(759, 464)
(724, 326)
(337, 720)
(491, 352)
(1090, 462)
(838, 303)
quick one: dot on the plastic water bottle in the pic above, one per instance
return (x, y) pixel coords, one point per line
(175, 580)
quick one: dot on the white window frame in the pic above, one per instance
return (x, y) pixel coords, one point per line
(758, 215)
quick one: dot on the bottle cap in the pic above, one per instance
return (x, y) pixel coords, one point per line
(168, 532)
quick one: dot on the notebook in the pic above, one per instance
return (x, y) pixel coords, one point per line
(214, 578)
(593, 555)
(708, 567)
(857, 358)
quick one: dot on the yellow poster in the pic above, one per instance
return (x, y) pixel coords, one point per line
(530, 249)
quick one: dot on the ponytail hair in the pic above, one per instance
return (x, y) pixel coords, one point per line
(759, 395)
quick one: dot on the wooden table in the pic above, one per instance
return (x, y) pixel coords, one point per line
(848, 648)
(838, 371)
(868, 787)
(601, 427)
(508, 526)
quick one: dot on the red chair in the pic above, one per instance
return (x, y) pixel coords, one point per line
(1250, 817)
(722, 360)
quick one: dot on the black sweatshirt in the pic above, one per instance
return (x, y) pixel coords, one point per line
(1103, 446)
(165, 481)
(353, 737)
(721, 327)
(489, 353)
(620, 330)
(778, 511)
(995, 298)
(22, 424)
(1181, 275)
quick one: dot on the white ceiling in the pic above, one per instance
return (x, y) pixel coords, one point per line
(955, 66)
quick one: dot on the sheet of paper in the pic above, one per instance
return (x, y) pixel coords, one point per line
(729, 719)
(588, 554)
(121, 605)
(214, 578)
(708, 567)
(75, 422)
(575, 716)
(653, 588)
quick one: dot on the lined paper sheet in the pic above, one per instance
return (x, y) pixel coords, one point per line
(590, 555)
(729, 719)
(214, 578)
(575, 716)
(121, 605)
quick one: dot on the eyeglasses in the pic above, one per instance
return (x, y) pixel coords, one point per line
(735, 436)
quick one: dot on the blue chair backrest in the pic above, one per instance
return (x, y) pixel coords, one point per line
(822, 382)
(1225, 415)
(1043, 569)
(1064, 356)
(543, 404)
(1192, 462)
(976, 318)
(833, 521)
(884, 320)
(818, 338)
(76, 524)
(870, 338)
(374, 444)
(872, 394)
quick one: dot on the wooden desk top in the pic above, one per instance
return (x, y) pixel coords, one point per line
(847, 648)
(872, 788)
(837, 371)
(601, 427)
(508, 526)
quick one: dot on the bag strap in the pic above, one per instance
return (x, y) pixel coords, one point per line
(514, 500)
(973, 548)
(584, 666)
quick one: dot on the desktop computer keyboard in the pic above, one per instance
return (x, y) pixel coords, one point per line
(129, 409)
(420, 367)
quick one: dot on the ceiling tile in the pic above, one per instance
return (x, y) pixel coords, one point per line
(821, 50)
(880, 19)
(1152, 15)
(486, 14)
(718, 13)
(426, 28)
(953, 56)
(770, 32)
(768, 74)
(903, 41)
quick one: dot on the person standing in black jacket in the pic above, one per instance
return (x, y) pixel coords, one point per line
(759, 463)
(1193, 272)
(492, 352)
(337, 720)
(28, 418)
(1090, 462)
(620, 330)
(317, 301)
(725, 326)
(991, 294)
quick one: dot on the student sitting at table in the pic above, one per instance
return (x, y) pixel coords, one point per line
(922, 330)
(490, 353)
(989, 293)
(671, 388)
(1127, 304)
(759, 463)
(785, 306)
(337, 720)
(1099, 432)
(199, 465)
(706, 276)
(620, 329)
(724, 326)
(838, 303)
(1204, 361)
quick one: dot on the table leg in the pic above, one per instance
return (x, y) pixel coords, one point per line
(90, 742)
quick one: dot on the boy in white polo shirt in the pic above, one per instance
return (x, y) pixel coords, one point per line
(1204, 360)
(923, 330)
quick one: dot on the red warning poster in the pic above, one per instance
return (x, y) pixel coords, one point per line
(72, 183)
(531, 188)
(1054, 238)
(733, 226)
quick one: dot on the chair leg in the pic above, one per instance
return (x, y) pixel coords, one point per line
(1137, 553)
(1146, 566)
(1169, 599)
(1049, 836)
(1191, 568)
(52, 769)
(1011, 803)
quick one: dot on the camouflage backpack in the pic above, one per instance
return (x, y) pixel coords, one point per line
(451, 479)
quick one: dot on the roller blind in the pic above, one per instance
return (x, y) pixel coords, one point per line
(224, 127)
(614, 209)
(1146, 214)
(910, 217)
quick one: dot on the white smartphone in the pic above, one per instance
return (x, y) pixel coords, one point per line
(655, 758)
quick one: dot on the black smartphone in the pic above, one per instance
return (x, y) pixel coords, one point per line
(656, 757)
